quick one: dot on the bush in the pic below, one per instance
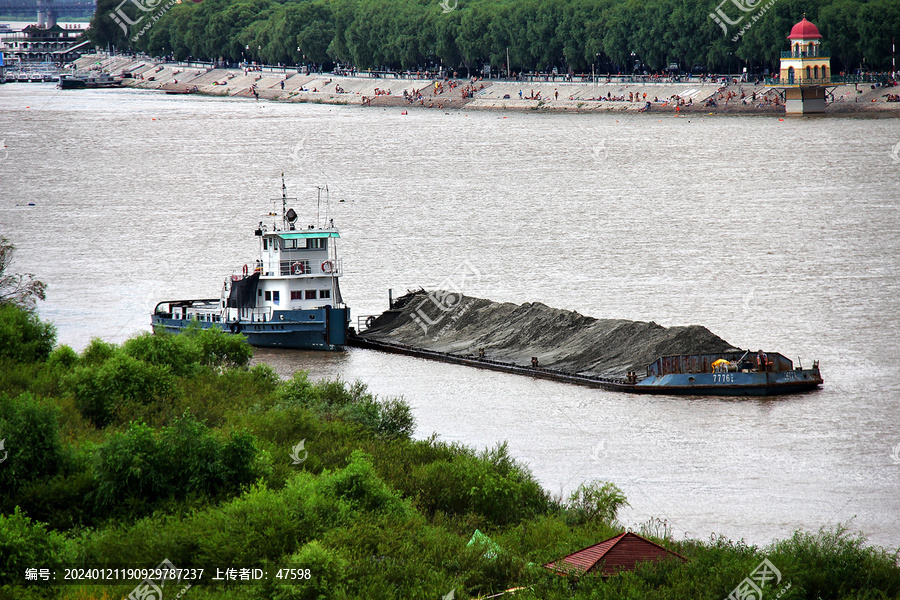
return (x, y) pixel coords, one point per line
(183, 353)
(492, 485)
(359, 486)
(321, 572)
(184, 458)
(354, 404)
(63, 358)
(26, 545)
(29, 432)
(98, 352)
(596, 501)
(102, 391)
(23, 336)
(835, 564)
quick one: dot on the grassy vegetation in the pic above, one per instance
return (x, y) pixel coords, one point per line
(171, 447)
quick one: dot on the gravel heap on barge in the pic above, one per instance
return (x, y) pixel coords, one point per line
(515, 333)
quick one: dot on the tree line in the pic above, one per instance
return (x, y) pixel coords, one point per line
(606, 36)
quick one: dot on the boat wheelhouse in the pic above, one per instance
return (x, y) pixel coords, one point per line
(289, 297)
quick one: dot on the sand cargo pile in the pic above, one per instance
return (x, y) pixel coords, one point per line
(562, 340)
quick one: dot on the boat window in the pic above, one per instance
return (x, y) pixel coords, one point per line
(317, 243)
(310, 294)
(294, 244)
(268, 296)
(276, 297)
(259, 292)
(324, 293)
(265, 244)
(296, 295)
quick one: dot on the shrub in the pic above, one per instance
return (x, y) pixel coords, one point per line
(63, 358)
(102, 391)
(183, 353)
(326, 571)
(596, 501)
(98, 352)
(396, 419)
(360, 487)
(25, 544)
(164, 350)
(355, 404)
(836, 564)
(219, 349)
(492, 485)
(23, 336)
(181, 459)
(29, 432)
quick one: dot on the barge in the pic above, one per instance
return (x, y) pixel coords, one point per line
(717, 374)
(290, 297)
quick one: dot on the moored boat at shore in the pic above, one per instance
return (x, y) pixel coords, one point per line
(290, 297)
(75, 82)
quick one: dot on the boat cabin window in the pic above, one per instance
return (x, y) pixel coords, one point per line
(265, 244)
(268, 296)
(293, 244)
(276, 297)
(317, 243)
(324, 293)
(296, 295)
(310, 294)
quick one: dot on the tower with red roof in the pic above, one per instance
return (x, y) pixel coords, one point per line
(805, 71)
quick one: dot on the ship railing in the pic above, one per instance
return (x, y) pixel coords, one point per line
(311, 267)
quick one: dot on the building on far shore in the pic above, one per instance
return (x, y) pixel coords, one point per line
(51, 44)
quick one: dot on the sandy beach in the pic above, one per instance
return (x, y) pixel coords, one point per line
(691, 96)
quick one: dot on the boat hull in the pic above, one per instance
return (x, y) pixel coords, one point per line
(731, 384)
(316, 329)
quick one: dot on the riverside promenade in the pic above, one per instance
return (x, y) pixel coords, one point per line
(615, 94)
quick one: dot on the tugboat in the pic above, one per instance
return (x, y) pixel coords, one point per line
(725, 374)
(290, 297)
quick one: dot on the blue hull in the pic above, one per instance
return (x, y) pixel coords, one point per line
(731, 384)
(317, 329)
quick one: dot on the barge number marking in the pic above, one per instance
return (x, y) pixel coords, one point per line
(723, 377)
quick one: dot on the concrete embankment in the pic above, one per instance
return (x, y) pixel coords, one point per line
(287, 85)
(514, 333)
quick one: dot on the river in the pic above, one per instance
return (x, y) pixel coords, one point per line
(775, 234)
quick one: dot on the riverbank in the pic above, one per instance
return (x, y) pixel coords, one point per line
(289, 85)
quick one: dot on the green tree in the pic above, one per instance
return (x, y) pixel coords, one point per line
(23, 336)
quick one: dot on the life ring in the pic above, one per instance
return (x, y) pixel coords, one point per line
(297, 268)
(327, 267)
(235, 327)
(369, 322)
(246, 269)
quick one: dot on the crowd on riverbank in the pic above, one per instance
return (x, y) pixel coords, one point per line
(642, 94)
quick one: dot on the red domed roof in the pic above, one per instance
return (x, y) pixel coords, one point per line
(804, 30)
